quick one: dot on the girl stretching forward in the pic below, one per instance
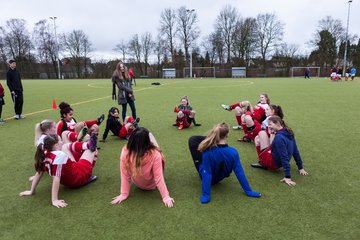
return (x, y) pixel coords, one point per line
(279, 152)
(63, 170)
(142, 163)
(217, 161)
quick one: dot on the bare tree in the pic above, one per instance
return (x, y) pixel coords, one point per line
(334, 27)
(287, 50)
(147, 45)
(269, 31)
(245, 39)
(168, 29)
(2, 47)
(226, 24)
(122, 48)
(17, 43)
(209, 49)
(78, 46)
(45, 44)
(188, 31)
(159, 50)
(135, 49)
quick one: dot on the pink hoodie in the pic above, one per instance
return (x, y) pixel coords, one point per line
(151, 175)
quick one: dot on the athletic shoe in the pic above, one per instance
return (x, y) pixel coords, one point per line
(258, 165)
(174, 124)
(82, 134)
(100, 119)
(91, 179)
(197, 124)
(237, 127)
(226, 107)
(22, 116)
(135, 123)
(2, 121)
(93, 142)
(244, 139)
(180, 127)
(16, 117)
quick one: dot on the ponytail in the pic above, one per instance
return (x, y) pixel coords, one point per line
(219, 132)
(39, 157)
(42, 127)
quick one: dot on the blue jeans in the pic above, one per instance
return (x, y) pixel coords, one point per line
(132, 107)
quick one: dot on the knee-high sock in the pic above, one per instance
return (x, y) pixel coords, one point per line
(90, 123)
(72, 136)
(233, 106)
(238, 119)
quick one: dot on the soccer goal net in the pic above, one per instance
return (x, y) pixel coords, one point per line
(300, 71)
(206, 72)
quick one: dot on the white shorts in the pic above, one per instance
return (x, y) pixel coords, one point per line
(353, 75)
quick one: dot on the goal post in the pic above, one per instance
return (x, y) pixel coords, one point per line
(204, 72)
(300, 71)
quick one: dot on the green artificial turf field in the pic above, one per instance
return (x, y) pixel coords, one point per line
(324, 205)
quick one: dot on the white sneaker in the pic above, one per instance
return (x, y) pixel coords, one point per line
(238, 127)
(226, 107)
(22, 116)
(16, 117)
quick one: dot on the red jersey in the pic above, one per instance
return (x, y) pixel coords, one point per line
(72, 174)
(70, 126)
(259, 112)
(2, 91)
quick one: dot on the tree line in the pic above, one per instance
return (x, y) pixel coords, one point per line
(254, 42)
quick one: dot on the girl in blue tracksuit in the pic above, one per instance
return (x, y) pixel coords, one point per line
(278, 153)
(217, 161)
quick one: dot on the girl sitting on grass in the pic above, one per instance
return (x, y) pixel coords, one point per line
(114, 125)
(215, 160)
(185, 114)
(142, 163)
(63, 170)
(68, 122)
(277, 153)
(257, 112)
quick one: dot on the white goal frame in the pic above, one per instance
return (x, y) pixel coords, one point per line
(314, 71)
(195, 72)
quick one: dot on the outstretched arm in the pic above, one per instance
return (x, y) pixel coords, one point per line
(206, 178)
(34, 184)
(56, 202)
(239, 172)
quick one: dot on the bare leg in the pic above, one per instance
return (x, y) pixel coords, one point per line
(263, 140)
(66, 149)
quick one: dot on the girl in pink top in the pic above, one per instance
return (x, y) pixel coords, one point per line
(142, 163)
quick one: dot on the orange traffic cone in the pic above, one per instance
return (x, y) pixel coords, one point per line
(54, 104)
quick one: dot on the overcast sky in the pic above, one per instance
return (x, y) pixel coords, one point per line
(106, 22)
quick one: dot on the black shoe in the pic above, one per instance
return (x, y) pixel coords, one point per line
(175, 125)
(197, 124)
(100, 119)
(91, 179)
(258, 165)
(135, 123)
(93, 142)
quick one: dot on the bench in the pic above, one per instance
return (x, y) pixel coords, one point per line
(143, 76)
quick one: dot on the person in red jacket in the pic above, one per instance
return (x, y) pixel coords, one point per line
(132, 76)
(2, 102)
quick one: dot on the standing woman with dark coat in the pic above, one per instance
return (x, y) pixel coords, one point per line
(121, 79)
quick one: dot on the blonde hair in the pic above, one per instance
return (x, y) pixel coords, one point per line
(40, 128)
(219, 132)
(118, 72)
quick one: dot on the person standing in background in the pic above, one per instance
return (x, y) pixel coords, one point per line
(13, 80)
(2, 102)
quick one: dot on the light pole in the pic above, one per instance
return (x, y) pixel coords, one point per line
(190, 73)
(346, 38)
(57, 47)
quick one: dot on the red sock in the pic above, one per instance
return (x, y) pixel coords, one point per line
(235, 105)
(72, 136)
(76, 146)
(238, 119)
(90, 123)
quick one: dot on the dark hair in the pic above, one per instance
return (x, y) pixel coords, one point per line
(277, 110)
(112, 110)
(139, 143)
(49, 142)
(276, 119)
(64, 109)
(267, 97)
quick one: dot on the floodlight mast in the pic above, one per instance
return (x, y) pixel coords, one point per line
(57, 47)
(346, 38)
(190, 11)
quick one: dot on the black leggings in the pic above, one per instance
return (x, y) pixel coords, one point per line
(194, 143)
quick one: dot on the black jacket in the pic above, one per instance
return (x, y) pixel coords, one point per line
(13, 80)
